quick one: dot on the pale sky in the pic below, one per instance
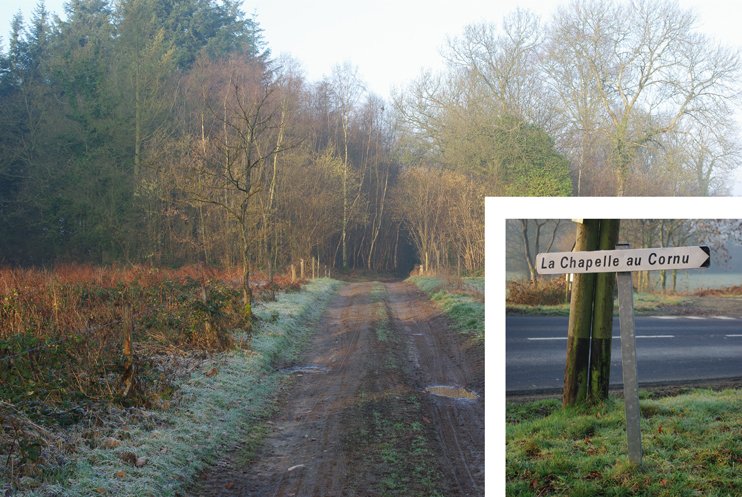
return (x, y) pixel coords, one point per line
(391, 41)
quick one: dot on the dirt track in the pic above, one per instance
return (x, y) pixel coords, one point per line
(357, 419)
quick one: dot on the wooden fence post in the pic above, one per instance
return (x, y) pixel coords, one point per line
(205, 300)
(313, 268)
(128, 326)
(302, 268)
(214, 331)
(270, 279)
(293, 273)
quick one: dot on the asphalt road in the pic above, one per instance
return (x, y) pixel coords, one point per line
(669, 349)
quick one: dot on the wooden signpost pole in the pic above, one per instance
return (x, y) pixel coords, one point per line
(628, 362)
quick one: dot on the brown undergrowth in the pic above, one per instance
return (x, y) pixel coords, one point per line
(542, 291)
(62, 344)
(718, 292)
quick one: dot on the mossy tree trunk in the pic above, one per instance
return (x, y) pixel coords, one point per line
(602, 333)
(580, 320)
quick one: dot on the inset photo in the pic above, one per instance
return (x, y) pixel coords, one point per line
(619, 332)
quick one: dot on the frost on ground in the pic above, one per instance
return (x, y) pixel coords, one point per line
(461, 301)
(215, 405)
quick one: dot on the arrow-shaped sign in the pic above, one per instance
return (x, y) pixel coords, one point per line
(611, 261)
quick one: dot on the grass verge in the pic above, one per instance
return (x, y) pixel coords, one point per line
(379, 311)
(692, 445)
(643, 303)
(214, 409)
(465, 306)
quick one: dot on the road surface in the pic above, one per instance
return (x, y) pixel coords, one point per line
(669, 349)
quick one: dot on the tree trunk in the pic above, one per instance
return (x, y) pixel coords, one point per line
(376, 228)
(602, 334)
(345, 196)
(246, 291)
(203, 234)
(396, 246)
(137, 125)
(580, 321)
(524, 231)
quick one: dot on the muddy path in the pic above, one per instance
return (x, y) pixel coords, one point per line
(358, 416)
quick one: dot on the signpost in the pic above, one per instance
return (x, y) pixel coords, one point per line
(623, 261)
(610, 261)
(628, 362)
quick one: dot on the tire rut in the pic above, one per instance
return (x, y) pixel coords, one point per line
(440, 357)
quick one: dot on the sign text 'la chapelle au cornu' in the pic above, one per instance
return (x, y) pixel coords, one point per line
(601, 261)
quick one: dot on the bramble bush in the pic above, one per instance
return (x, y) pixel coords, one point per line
(542, 291)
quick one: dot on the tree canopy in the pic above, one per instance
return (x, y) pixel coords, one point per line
(129, 132)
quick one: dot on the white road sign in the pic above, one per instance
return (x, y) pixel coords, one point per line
(611, 261)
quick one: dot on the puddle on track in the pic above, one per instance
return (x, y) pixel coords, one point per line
(304, 370)
(454, 392)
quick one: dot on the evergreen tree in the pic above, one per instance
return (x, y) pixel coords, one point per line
(525, 162)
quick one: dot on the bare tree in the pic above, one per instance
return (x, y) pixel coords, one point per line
(347, 89)
(530, 255)
(501, 66)
(381, 171)
(648, 67)
(288, 85)
(224, 169)
(419, 207)
(701, 159)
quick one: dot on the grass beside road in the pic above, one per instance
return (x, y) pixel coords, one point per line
(643, 303)
(692, 445)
